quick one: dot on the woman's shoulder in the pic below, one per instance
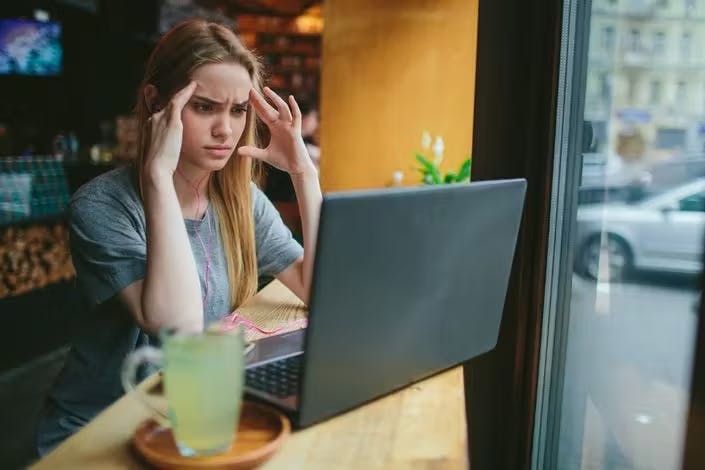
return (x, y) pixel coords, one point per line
(114, 188)
(116, 182)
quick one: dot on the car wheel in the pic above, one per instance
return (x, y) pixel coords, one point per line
(618, 258)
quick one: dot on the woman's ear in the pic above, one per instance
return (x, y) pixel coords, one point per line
(151, 97)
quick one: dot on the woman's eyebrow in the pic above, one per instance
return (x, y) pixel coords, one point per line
(219, 103)
(208, 100)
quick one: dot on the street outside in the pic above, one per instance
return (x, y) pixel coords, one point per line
(627, 372)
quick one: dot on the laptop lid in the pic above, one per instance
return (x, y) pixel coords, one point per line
(408, 282)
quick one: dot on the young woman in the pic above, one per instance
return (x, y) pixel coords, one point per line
(179, 240)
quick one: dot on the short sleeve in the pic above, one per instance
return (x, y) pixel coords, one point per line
(108, 245)
(276, 247)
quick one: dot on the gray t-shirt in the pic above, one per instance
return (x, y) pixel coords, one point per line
(108, 249)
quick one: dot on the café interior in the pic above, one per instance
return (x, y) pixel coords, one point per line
(498, 353)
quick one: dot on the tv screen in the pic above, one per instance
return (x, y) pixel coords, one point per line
(29, 47)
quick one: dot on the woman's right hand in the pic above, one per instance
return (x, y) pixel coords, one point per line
(167, 133)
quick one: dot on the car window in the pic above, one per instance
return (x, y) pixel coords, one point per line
(693, 203)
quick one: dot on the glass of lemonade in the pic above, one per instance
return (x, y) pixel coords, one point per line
(203, 381)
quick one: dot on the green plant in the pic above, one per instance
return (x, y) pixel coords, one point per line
(430, 169)
(431, 174)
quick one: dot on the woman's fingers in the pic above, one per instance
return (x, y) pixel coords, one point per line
(167, 129)
(252, 152)
(263, 109)
(179, 100)
(281, 105)
(296, 111)
(156, 118)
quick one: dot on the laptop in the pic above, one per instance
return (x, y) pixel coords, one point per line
(408, 282)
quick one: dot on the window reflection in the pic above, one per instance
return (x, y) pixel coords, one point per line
(638, 239)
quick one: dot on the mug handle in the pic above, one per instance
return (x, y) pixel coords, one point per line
(142, 355)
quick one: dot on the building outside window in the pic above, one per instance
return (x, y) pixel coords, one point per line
(659, 44)
(681, 95)
(655, 94)
(634, 40)
(686, 45)
(608, 38)
(619, 340)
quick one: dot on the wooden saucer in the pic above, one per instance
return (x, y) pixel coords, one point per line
(261, 432)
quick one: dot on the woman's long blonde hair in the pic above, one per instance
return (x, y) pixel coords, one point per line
(186, 47)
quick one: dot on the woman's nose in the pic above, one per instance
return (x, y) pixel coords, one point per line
(222, 127)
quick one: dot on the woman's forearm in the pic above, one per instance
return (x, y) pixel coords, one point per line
(308, 193)
(171, 296)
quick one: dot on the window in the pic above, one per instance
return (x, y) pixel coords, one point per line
(631, 90)
(655, 94)
(617, 337)
(634, 41)
(694, 203)
(659, 44)
(686, 45)
(670, 138)
(689, 6)
(605, 86)
(607, 38)
(681, 93)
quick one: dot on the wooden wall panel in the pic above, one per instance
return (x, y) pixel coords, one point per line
(389, 71)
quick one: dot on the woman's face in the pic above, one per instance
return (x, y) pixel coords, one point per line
(214, 118)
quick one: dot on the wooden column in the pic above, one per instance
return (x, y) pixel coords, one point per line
(389, 71)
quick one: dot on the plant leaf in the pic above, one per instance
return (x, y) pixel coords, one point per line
(449, 177)
(424, 162)
(464, 172)
(430, 168)
(436, 176)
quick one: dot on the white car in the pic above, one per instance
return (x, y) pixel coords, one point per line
(663, 232)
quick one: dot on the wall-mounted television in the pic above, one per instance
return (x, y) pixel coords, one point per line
(29, 47)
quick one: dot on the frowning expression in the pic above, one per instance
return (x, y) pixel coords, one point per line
(215, 116)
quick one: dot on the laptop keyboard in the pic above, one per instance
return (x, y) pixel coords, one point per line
(278, 378)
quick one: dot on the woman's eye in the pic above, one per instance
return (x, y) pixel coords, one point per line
(203, 107)
(239, 111)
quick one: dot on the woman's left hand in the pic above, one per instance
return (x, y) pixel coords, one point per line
(286, 150)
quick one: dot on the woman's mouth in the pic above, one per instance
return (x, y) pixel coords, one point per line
(219, 150)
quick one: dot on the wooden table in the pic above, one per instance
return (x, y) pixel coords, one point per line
(421, 426)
